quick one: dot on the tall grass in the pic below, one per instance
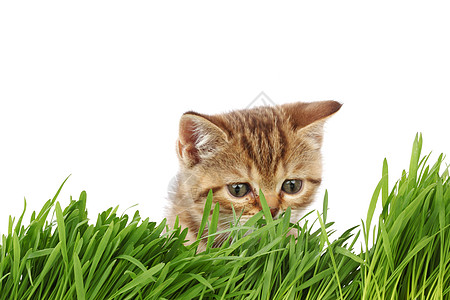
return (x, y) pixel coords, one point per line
(60, 255)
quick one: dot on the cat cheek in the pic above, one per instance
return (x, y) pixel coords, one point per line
(251, 211)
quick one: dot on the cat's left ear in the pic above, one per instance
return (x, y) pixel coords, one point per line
(199, 138)
(308, 118)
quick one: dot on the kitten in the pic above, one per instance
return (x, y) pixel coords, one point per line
(275, 149)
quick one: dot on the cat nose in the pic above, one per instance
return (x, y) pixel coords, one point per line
(272, 200)
(274, 211)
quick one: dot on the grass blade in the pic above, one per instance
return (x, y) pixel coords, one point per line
(78, 273)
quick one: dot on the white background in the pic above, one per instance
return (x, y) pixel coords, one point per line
(96, 88)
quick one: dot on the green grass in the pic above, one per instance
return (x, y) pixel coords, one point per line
(61, 255)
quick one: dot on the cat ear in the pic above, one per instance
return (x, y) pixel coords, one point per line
(308, 118)
(198, 138)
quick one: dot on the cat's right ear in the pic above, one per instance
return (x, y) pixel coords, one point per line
(199, 138)
(308, 118)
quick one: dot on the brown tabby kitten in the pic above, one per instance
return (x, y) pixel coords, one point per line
(275, 149)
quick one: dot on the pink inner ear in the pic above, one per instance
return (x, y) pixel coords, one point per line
(187, 141)
(187, 132)
(198, 137)
(180, 149)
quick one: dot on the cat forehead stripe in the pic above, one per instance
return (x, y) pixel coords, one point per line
(262, 138)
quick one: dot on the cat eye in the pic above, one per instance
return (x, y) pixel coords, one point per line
(292, 186)
(238, 189)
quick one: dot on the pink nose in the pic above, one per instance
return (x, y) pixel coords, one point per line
(272, 200)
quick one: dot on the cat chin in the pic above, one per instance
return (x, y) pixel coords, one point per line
(296, 215)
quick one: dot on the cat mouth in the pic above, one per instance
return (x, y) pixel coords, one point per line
(275, 212)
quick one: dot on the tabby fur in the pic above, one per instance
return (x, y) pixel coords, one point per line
(261, 146)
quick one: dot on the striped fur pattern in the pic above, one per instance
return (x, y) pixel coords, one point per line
(262, 146)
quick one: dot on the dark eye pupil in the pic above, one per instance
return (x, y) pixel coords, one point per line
(238, 189)
(292, 186)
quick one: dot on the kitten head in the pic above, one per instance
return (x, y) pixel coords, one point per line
(275, 149)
